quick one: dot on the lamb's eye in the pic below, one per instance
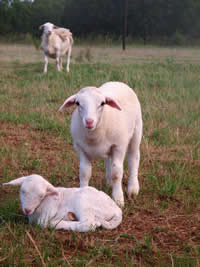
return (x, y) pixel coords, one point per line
(102, 103)
(77, 103)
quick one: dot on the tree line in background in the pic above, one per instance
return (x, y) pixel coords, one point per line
(146, 19)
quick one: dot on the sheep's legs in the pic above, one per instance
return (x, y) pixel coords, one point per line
(85, 170)
(68, 59)
(58, 63)
(108, 171)
(116, 177)
(45, 63)
(84, 226)
(133, 161)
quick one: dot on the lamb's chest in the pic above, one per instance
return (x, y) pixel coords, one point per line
(96, 150)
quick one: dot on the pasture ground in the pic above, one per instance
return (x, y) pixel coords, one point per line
(161, 226)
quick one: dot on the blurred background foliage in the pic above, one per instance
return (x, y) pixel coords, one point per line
(168, 22)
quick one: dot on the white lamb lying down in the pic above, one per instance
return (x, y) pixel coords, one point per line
(76, 209)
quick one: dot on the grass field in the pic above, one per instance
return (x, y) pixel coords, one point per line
(161, 226)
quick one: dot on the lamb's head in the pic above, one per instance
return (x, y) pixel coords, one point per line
(34, 189)
(48, 28)
(90, 103)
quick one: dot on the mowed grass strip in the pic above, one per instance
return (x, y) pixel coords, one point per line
(161, 225)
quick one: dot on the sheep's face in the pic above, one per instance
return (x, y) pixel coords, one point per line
(48, 28)
(90, 103)
(90, 106)
(33, 190)
(31, 195)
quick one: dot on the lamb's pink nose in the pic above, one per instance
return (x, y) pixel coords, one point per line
(27, 211)
(89, 123)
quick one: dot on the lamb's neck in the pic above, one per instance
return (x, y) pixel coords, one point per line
(46, 38)
(94, 136)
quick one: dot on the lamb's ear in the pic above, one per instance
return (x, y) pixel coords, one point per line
(41, 27)
(111, 102)
(51, 190)
(16, 182)
(68, 102)
(55, 27)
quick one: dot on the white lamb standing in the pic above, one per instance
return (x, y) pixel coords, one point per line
(76, 209)
(107, 123)
(56, 42)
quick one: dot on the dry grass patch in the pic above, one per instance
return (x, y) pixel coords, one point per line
(27, 53)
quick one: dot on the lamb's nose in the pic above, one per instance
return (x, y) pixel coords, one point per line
(89, 123)
(27, 211)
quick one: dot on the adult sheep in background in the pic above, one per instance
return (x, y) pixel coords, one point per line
(76, 209)
(107, 123)
(56, 42)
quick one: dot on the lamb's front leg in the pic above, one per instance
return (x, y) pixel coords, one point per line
(75, 226)
(45, 63)
(85, 169)
(116, 176)
(58, 63)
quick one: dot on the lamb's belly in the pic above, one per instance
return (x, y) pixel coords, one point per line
(94, 152)
(51, 53)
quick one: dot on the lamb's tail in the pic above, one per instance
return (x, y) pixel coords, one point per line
(112, 222)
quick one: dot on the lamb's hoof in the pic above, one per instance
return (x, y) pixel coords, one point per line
(108, 183)
(133, 191)
(119, 202)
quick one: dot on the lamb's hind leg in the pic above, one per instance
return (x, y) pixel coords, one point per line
(87, 219)
(108, 171)
(134, 159)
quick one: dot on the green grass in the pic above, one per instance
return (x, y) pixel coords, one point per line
(160, 226)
